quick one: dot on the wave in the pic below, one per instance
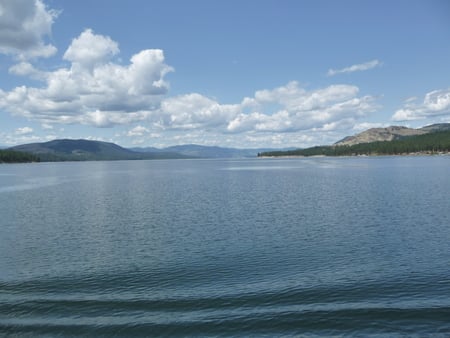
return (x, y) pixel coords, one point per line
(131, 307)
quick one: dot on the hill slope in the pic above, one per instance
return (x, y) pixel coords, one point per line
(390, 134)
(379, 134)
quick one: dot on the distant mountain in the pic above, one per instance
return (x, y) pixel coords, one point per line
(86, 150)
(199, 151)
(390, 134)
(436, 127)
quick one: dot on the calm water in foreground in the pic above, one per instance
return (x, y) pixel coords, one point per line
(260, 247)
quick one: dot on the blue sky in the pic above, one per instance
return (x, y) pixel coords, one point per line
(232, 73)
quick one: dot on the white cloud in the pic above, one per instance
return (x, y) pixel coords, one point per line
(89, 50)
(24, 24)
(435, 104)
(105, 119)
(368, 125)
(193, 111)
(277, 122)
(100, 98)
(13, 138)
(301, 109)
(138, 131)
(355, 68)
(23, 131)
(93, 90)
(288, 108)
(411, 99)
(27, 69)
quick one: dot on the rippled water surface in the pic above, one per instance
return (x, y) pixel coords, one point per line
(258, 247)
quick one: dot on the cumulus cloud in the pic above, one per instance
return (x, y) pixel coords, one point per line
(27, 69)
(24, 25)
(435, 104)
(104, 94)
(93, 90)
(193, 111)
(89, 50)
(355, 68)
(96, 89)
(288, 108)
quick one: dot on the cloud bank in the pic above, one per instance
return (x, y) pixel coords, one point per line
(97, 90)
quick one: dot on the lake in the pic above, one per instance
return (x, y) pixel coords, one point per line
(239, 247)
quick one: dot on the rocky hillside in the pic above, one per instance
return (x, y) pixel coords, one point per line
(390, 134)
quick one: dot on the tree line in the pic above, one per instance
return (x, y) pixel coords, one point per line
(438, 142)
(11, 156)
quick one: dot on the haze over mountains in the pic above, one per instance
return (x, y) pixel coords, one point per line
(199, 151)
(85, 150)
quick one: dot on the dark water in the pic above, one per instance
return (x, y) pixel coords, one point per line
(262, 247)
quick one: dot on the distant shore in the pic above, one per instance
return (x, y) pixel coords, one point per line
(359, 155)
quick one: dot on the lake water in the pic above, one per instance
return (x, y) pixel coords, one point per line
(254, 247)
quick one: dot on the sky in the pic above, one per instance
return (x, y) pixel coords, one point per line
(235, 73)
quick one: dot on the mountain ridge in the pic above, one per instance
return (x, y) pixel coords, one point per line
(85, 150)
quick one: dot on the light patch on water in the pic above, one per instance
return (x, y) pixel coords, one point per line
(260, 168)
(32, 183)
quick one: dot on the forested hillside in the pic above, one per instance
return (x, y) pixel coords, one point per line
(86, 150)
(10, 156)
(438, 142)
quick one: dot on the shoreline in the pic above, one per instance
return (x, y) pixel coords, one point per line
(417, 154)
